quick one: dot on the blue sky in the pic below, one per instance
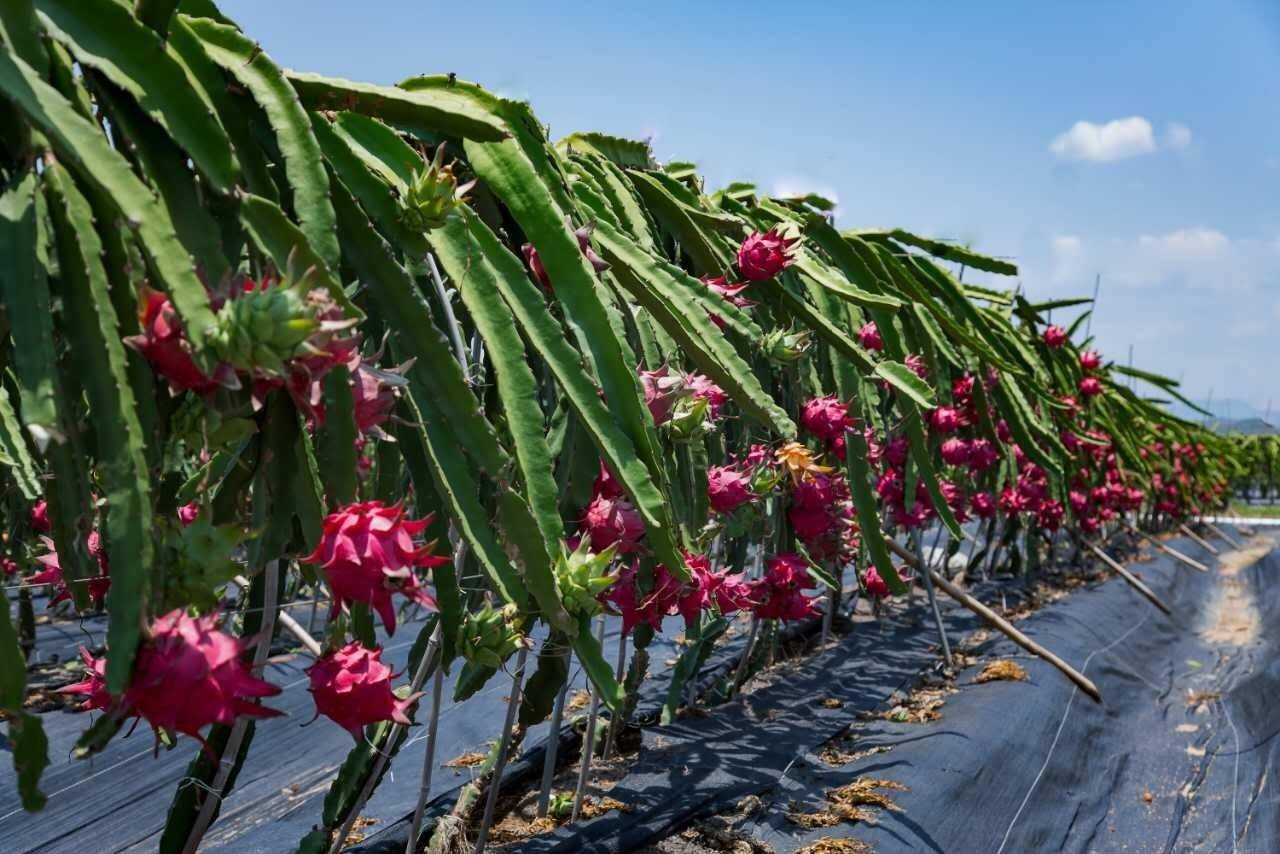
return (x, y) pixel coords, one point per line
(1140, 141)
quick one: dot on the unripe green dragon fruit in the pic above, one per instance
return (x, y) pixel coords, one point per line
(270, 322)
(782, 346)
(582, 576)
(433, 195)
(489, 637)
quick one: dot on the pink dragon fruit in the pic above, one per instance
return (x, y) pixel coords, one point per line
(8, 567)
(1090, 360)
(583, 235)
(728, 488)
(94, 686)
(875, 585)
(40, 517)
(826, 417)
(610, 521)
(955, 452)
(869, 336)
(946, 419)
(367, 553)
(1054, 336)
(352, 687)
(917, 365)
(98, 585)
(188, 513)
(373, 397)
(188, 675)
(962, 388)
(982, 455)
(763, 256)
(982, 505)
(1091, 386)
(702, 388)
(780, 593)
(661, 391)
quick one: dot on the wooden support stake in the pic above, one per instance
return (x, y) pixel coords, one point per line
(1221, 533)
(998, 622)
(1171, 552)
(1199, 540)
(1128, 576)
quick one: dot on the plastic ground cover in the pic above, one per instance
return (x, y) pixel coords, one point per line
(1180, 756)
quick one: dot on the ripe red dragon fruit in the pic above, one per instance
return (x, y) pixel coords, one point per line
(781, 592)
(188, 513)
(167, 350)
(583, 235)
(352, 687)
(763, 256)
(367, 553)
(982, 505)
(962, 388)
(188, 675)
(869, 336)
(661, 391)
(728, 592)
(955, 452)
(610, 521)
(1090, 360)
(917, 365)
(373, 397)
(875, 585)
(729, 293)
(52, 573)
(605, 485)
(1054, 336)
(1091, 386)
(8, 567)
(826, 417)
(40, 517)
(702, 388)
(728, 488)
(94, 685)
(946, 419)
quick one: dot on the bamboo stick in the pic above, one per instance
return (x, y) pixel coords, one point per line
(1199, 540)
(495, 781)
(1171, 552)
(1001, 624)
(1128, 576)
(1221, 533)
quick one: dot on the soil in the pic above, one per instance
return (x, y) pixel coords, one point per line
(1232, 617)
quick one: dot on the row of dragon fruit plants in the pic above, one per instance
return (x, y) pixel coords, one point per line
(288, 332)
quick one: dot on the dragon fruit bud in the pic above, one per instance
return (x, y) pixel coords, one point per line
(875, 585)
(869, 336)
(94, 685)
(613, 521)
(1090, 360)
(826, 417)
(728, 488)
(583, 235)
(661, 391)
(162, 343)
(946, 419)
(917, 365)
(703, 388)
(581, 576)
(783, 346)
(264, 326)
(763, 256)
(489, 637)
(1054, 336)
(352, 687)
(433, 195)
(188, 513)
(367, 553)
(690, 419)
(955, 452)
(40, 517)
(98, 585)
(1091, 386)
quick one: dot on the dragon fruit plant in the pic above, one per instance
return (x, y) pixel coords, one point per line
(260, 351)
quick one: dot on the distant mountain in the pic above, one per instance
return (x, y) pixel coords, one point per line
(1245, 426)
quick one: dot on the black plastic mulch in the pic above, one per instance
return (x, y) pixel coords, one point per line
(1181, 756)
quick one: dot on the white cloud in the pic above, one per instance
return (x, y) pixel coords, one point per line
(1197, 257)
(1115, 140)
(1177, 136)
